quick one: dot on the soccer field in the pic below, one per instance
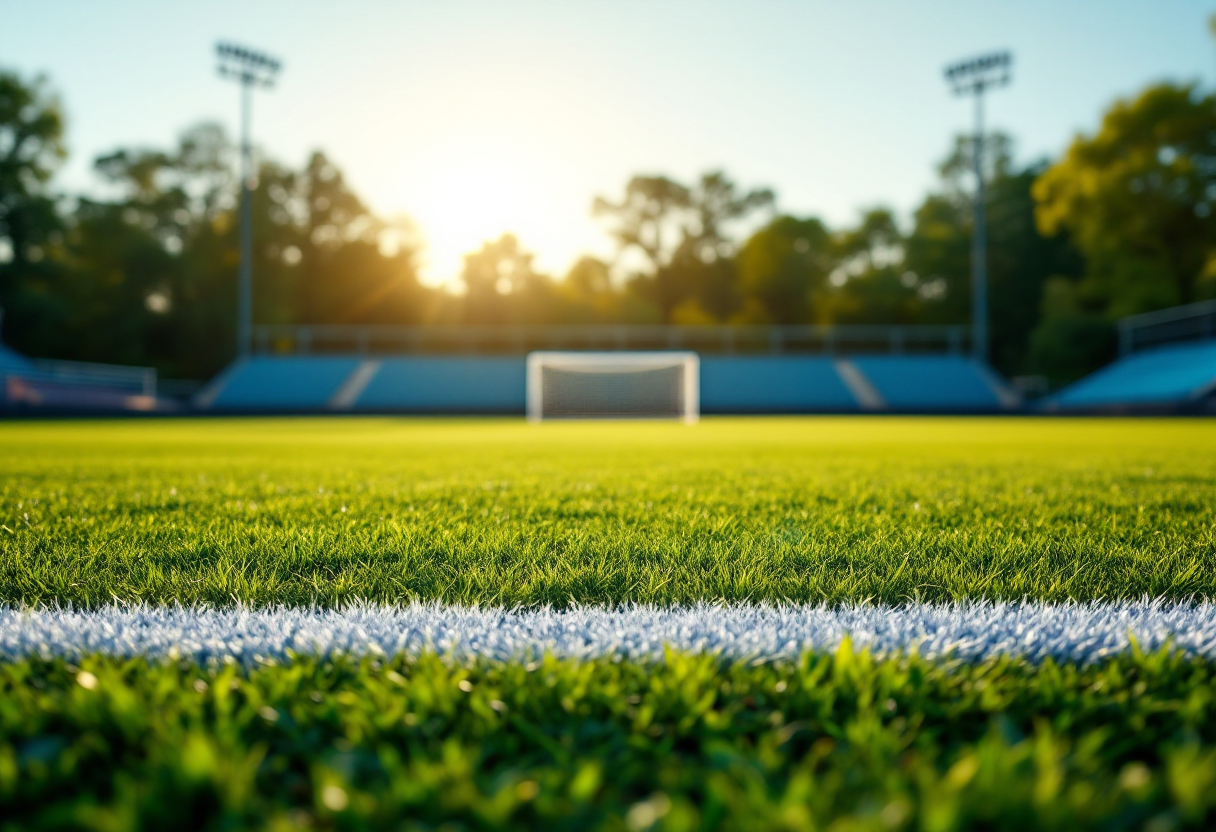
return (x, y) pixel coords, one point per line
(325, 511)
(844, 623)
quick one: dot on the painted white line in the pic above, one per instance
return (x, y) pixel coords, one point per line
(970, 630)
(867, 394)
(353, 387)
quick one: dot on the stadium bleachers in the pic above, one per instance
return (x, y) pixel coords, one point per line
(934, 382)
(428, 384)
(278, 383)
(13, 362)
(1164, 377)
(42, 385)
(794, 384)
(497, 384)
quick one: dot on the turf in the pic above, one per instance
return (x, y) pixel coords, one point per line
(314, 513)
(838, 741)
(326, 511)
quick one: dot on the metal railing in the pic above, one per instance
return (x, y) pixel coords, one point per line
(510, 339)
(1190, 322)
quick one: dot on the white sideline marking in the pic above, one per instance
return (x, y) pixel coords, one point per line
(866, 394)
(353, 387)
(970, 630)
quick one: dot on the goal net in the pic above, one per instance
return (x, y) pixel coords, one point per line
(613, 385)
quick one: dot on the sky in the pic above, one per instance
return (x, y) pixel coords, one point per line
(478, 117)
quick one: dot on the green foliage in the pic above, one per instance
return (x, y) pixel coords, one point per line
(682, 235)
(501, 286)
(149, 276)
(1140, 194)
(325, 511)
(848, 741)
(797, 271)
(1020, 263)
(1075, 335)
(871, 280)
(31, 231)
(784, 267)
(1137, 198)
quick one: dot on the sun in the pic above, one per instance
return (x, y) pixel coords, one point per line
(472, 193)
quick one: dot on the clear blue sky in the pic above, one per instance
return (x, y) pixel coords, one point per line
(481, 116)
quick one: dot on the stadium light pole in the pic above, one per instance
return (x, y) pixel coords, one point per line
(250, 69)
(974, 77)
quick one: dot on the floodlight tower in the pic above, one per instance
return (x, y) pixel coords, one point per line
(975, 77)
(250, 69)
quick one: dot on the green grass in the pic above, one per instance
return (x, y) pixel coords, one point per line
(324, 511)
(844, 742)
(316, 510)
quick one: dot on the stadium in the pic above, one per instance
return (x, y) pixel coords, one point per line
(762, 521)
(1167, 365)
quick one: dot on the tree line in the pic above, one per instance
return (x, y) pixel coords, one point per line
(1122, 222)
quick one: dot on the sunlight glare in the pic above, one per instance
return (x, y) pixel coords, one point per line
(475, 193)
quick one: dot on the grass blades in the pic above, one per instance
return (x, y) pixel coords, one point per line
(325, 511)
(833, 740)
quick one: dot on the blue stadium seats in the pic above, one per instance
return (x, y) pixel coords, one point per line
(497, 384)
(446, 385)
(279, 383)
(1169, 375)
(78, 386)
(788, 384)
(933, 382)
(13, 362)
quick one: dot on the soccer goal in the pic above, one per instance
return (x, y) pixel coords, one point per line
(614, 385)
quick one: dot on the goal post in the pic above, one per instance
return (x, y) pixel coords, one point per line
(613, 385)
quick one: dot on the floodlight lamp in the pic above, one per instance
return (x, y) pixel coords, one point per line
(246, 65)
(978, 74)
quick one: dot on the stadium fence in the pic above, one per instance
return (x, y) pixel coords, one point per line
(509, 339)
(1190, 322)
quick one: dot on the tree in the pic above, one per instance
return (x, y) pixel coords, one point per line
(938, 249)
(1139, 198)
(648, 218)
(715, 203)
(590, 296)
(502, 287)
(1021, 261)
(703, 270)
(142, 290)
(783, 270)
(149, 276)
(871, 282)
(354, 267)
(31, 149)
(682, 233)
(937, 262)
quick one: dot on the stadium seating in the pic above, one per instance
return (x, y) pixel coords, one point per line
(1164, 377)
(278, 383)
(46, 386)
(490, 384)
(793, 384)
(12, 362)
(934, 382)
(446, 385)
